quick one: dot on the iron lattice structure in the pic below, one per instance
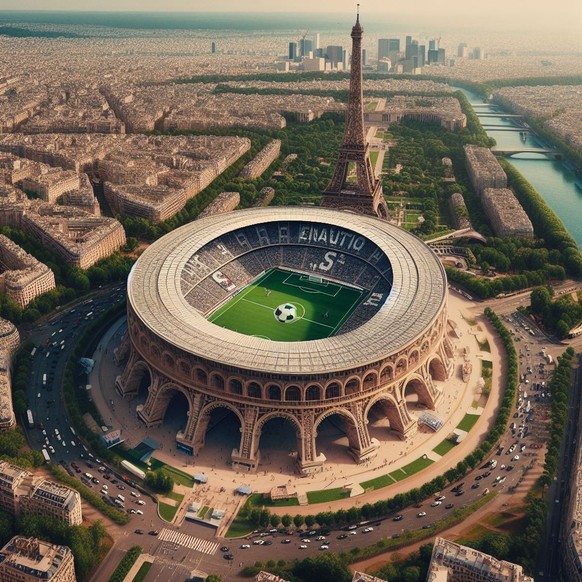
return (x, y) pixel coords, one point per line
(354, 185)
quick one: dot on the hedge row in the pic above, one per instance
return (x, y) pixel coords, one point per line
(486, 288)
(119, 517)
(386, 507)
(126, 563)
(560, 388)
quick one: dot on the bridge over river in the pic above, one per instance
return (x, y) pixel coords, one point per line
(509, 151)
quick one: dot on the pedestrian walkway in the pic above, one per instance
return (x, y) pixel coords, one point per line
(175, 537)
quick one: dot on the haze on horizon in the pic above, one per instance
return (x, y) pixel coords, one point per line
(489, 14)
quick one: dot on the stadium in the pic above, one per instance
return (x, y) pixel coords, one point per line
(297, 316)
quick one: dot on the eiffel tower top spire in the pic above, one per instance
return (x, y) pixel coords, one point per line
(354, 185)
(357, 27)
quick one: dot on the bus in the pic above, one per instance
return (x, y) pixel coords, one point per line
(46, 455)
(30, 418)
(44, 379)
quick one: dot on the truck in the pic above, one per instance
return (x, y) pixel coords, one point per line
(46, 455)
(133, 469)
(30, 418)
(44, 379)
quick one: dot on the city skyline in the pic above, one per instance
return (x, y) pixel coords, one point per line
(496, 13)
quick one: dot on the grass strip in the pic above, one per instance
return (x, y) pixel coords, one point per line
(142, 572)
(468, 422)
(167, 512)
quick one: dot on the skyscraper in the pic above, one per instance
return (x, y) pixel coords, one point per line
(292, 51)
(305, 47)
(463, 50)
(354, 185)
(388, 50)
(335, 55)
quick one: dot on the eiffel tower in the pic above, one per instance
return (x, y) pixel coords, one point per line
(354, 185)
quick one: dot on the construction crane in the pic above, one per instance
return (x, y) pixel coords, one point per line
(301, 43)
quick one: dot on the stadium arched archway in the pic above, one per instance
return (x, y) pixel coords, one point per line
(139, 381)
(385, 422)
(313, 392)
(333, 390)
(335, 434)
(277, 436)
(177, 408)
(292, 394)
(235, 386)
(273, 392)
(437, 370)
(417, 395)
(352, 386)
(217, 433)
(254, 390)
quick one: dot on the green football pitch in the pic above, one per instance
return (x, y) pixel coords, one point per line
(288, 307)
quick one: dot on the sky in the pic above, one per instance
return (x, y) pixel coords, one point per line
(530, 13)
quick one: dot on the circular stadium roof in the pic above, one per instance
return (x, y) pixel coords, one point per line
(417, 297)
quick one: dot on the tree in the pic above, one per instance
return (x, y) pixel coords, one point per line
(298, 520)
(411, 574)
(286, 520)
(159, 481)
(213, 578)
(275, 520)
(264, 517)
(323, 568)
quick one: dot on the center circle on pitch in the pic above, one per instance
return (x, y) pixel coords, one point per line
(285, 313)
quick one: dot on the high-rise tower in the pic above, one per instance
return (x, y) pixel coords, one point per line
(354, 185)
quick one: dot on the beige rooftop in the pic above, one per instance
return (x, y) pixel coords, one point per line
(416, 299)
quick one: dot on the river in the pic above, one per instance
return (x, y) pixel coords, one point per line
(553, 179)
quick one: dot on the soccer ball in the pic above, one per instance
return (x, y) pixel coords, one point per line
(285, 313)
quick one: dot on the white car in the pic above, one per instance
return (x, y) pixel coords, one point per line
(245, 546)
(435, 503)
(140, 502)
(319, 538)
(516, 458)
(306, 541)
(134, 494)
(421, 514)
(368, 530)
(324, 547)
(139, 512)
(258, 542)
(303, 547)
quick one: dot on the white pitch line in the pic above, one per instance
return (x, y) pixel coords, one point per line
(188, 541)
